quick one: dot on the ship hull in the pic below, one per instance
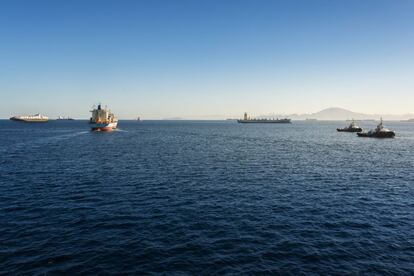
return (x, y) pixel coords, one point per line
(349, 129)
(103, 126)
(282, 121)
(389, 134)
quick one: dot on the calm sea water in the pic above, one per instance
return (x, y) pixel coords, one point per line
(205, 198)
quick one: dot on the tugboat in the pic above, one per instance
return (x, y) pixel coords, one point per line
(103, 119)
(353, 127)
(379, 132)
(246, 119)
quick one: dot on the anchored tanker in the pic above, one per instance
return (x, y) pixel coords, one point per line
(103, 119)
(38, 118)
(246, 119)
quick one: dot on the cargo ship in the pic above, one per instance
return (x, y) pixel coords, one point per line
(37, 118)
(246, 119)
(102, 119)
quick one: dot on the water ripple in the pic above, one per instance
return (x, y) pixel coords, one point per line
(205, 198)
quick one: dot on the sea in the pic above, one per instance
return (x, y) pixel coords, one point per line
(205, 198)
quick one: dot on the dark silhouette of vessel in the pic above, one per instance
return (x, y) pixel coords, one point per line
(353, 127)
(379, 132)
(246, 119)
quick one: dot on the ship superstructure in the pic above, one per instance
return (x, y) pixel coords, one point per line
(247, 119)
(37, 118)
(103, 119)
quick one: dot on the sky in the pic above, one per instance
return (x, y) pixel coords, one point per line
(205, 59)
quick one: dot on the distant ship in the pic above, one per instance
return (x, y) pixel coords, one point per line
(408, 121)
(102, 119)
(37, 118)
(353, 127)
(246, 119)
(379, 132)
(64, 118)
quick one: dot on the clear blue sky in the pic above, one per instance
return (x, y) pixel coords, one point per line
(205, 59)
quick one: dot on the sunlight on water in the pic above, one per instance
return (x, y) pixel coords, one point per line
(205, 198)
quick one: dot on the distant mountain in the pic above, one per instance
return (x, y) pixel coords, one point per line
(336, 113)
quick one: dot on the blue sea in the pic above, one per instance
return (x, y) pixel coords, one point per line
(205, 198)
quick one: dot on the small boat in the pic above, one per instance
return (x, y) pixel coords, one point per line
(379, 132)
(353, 127)
(103, 119)
(37, 118)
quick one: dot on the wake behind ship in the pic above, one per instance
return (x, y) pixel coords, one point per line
(246, 119)
(103, 119)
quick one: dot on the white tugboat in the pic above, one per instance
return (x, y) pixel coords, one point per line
(103, 119)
